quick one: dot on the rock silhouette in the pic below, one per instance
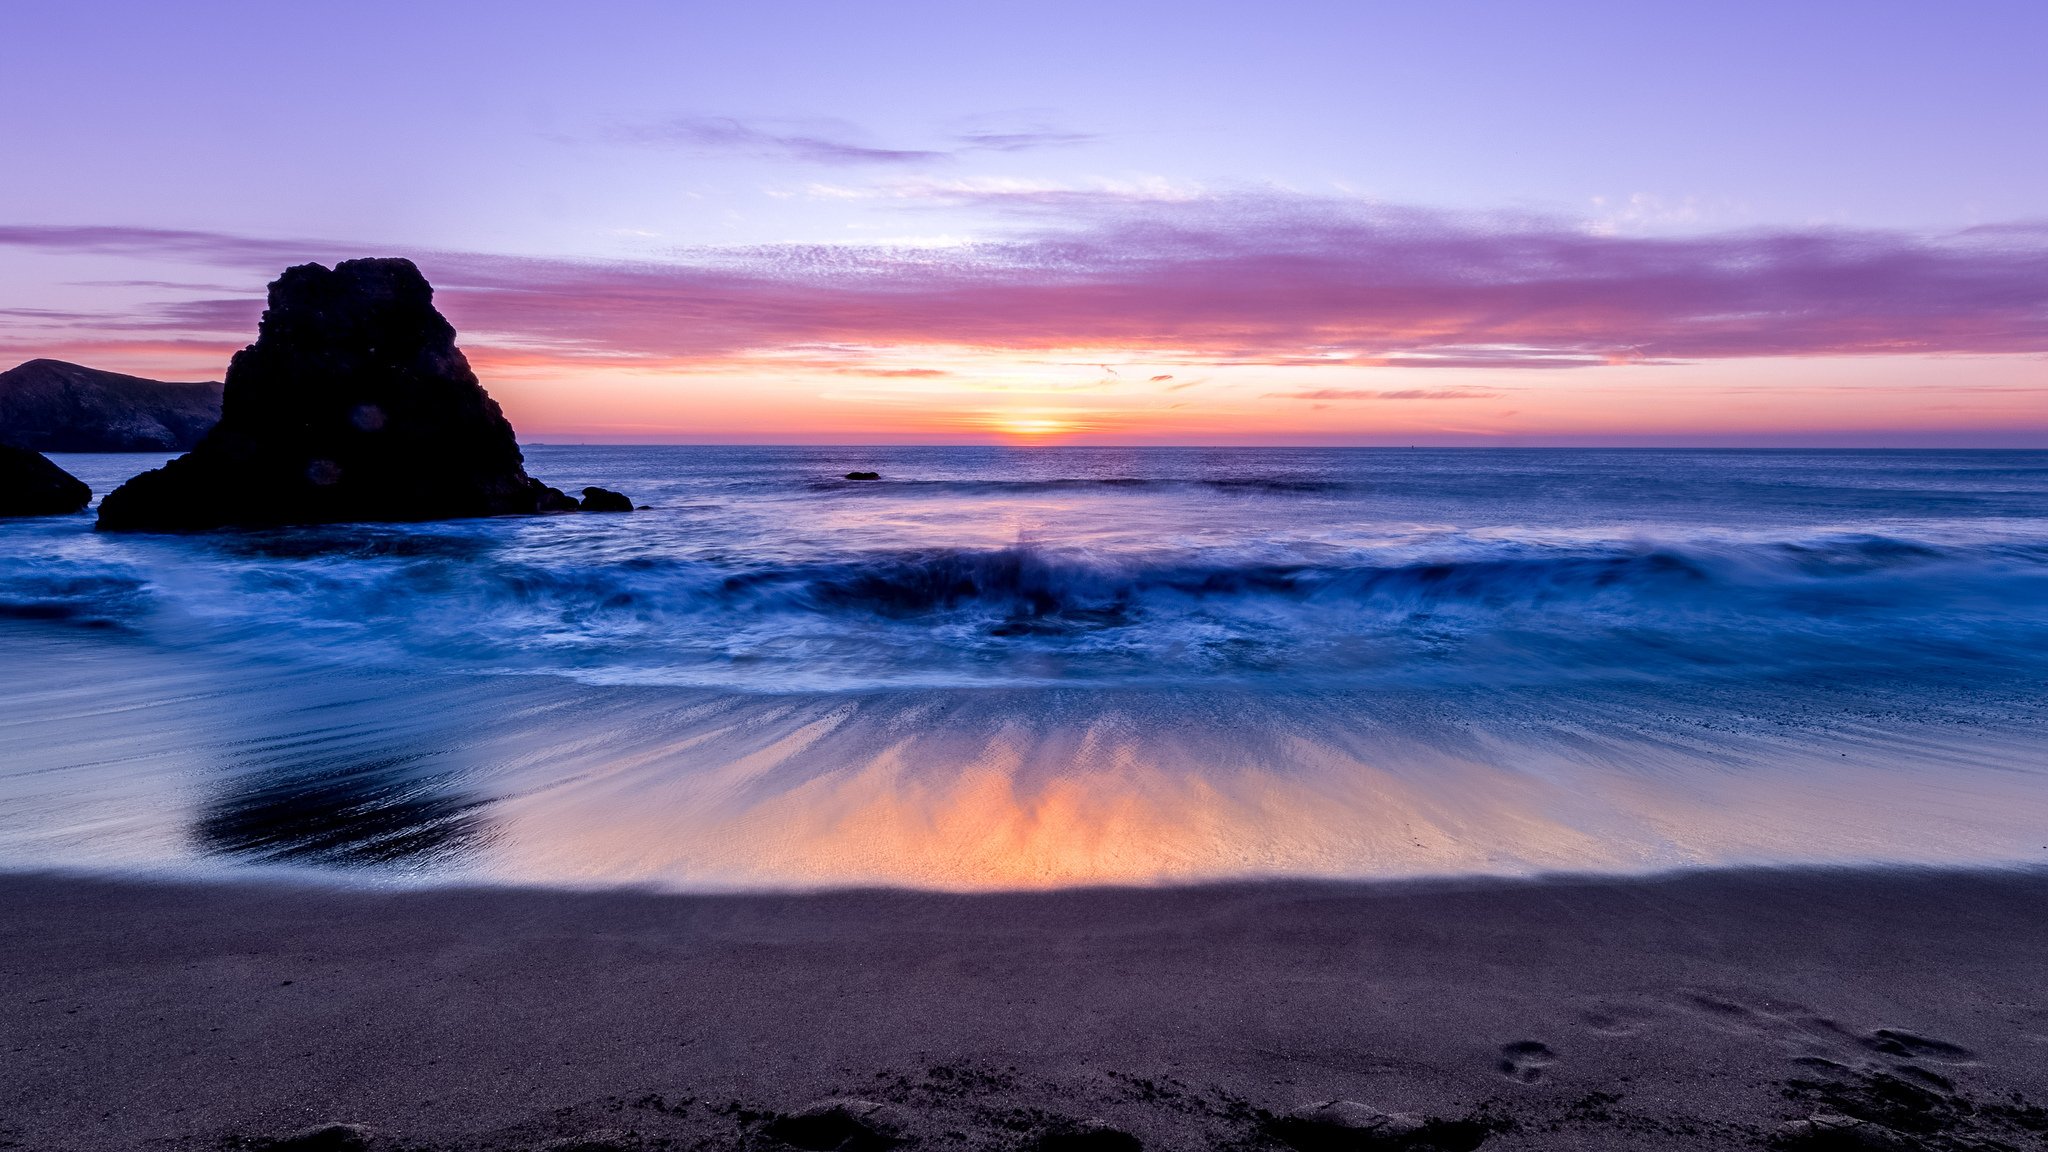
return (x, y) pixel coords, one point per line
(32, 486)
(605, 500)
(353, 404)
(54, 406)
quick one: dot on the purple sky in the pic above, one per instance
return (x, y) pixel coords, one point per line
(1341, 223)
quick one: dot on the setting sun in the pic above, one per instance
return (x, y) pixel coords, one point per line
(1032, 427)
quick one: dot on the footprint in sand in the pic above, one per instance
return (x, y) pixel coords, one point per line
(1524, 1060)
(1614, 1021)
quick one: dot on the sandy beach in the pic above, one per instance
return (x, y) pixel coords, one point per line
(1103, 577)
(1709, 1010)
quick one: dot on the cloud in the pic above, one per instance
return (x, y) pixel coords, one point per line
(822, 143)
(1373, 394)
(831, 141)
(1023, 140)
(895, 373)
(214, 248)
(1015, 196)
(236, 314)
(1262, 279)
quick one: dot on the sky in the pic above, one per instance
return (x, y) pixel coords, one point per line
(1275, 223)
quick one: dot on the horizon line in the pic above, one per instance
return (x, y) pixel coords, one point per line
(1040, 446)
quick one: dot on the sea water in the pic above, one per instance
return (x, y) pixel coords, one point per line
(1018, 666)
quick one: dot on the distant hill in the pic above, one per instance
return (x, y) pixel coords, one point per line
(52, 406)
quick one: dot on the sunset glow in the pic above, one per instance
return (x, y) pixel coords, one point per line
(1030, 427)
(646, 267)
(1051, 576)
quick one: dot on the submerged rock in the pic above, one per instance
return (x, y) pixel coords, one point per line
(32, 486)
(321, 1138)
(605, 500)
(1087, 1136)
(840, 1126)
(54, 406)
(1346, 1126)
(353, 404)
(1829, 1131)
(863, 475)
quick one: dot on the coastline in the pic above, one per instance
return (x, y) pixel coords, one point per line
(1691, 1010)
(135, 755)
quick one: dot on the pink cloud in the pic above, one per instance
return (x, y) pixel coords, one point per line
(895, 373)
(1398, 394)
(1227, 280)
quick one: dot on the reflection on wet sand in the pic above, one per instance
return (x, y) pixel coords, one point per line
(1005, 791)
(119, 761)
(340, 810)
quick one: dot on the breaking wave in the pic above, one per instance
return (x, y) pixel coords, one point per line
(1481, 609)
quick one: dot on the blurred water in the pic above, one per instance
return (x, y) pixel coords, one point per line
(1057, 665)
(761, 570)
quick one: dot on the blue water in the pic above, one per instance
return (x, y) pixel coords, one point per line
(759, 569)
(1659, 611)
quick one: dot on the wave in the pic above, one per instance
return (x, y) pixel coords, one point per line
(74, 594)
(1044, 581)
(1481, 606)
(1031, 581)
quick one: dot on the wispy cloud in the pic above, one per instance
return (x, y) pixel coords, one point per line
(1011, 195)
(1396, 394)
(1022, 141)
(836, 142)
(828, 142)
(234, 314)
(212, 248)
(1270, 278)
(894, 373)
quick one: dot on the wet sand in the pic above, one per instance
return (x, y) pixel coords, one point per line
(1880, 1008)
(123, 756)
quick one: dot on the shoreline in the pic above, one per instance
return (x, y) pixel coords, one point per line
(132, 755)
(1701, 1009)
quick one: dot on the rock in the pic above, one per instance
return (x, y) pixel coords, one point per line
(1087, 1136)
(353, 404)
(1830, 1131)
(1342, 1125)
(32, 486)
(556, 500)
(603, 1140)
(863, 475)
(840, 1126)
(322, 1138)
(52, 406)
(605, 500)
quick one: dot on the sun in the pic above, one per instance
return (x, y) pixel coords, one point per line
(1032, 426)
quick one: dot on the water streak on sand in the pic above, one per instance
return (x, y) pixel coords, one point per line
(1024, 669)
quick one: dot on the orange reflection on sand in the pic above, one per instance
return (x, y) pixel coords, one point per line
(1021, 809)
(971, 791)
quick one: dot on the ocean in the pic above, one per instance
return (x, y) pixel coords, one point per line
(1021, 667)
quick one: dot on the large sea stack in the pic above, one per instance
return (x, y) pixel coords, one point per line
(353, 404)
(52, 406)
(32, 486)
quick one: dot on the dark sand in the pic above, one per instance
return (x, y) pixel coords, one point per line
(1702, 1011)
